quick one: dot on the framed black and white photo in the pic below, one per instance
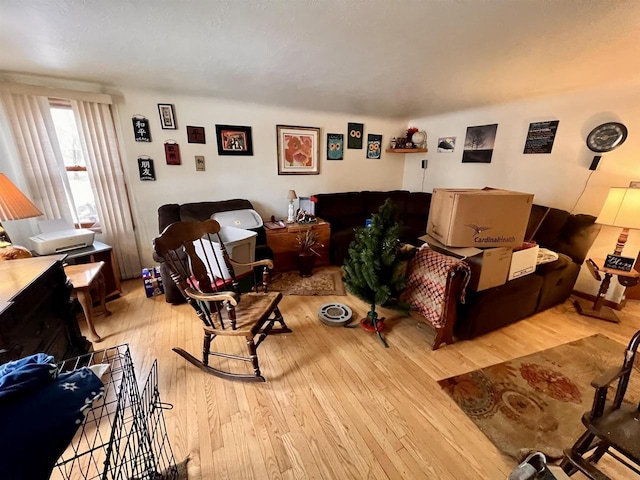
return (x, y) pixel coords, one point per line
(167, 116)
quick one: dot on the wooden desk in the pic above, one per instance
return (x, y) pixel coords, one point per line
(285, 246)
(35, 310)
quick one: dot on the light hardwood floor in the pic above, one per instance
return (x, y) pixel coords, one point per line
(336, 405)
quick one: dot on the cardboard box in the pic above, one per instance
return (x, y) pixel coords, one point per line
(479, 218)
(489, 266)
(523, 261)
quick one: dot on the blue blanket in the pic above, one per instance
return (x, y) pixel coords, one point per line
(40, 412)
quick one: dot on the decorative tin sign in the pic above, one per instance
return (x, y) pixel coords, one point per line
(617, 262)
(146, 170)
(172, 153)
(335, 146)
(355, 132)
(141, 130)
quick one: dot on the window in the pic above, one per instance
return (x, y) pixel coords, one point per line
(82, 201)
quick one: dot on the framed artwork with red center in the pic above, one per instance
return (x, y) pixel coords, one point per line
(298, 150)
(234, 140)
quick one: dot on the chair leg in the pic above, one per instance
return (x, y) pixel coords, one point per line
(580, 447)
(206, 348)
(277, 317)
(254, 356)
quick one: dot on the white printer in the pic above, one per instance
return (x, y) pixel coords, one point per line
(62, 241)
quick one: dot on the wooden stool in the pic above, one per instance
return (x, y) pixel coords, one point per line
(84, 278)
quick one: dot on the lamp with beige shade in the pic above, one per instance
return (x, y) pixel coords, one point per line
(621, 209)
(13, 206)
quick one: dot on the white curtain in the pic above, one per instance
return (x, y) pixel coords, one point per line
(100, 146)
(39, 153)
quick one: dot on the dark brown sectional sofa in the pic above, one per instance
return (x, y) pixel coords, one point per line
(569, 235)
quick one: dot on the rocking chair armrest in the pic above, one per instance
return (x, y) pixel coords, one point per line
(608, 377)
(225, 296)
(266, 262)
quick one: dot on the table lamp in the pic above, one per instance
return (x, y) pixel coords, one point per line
(621, 209)
(13, 206)
(291, 196)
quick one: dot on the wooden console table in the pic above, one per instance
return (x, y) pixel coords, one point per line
(285, 246)
(35, 310)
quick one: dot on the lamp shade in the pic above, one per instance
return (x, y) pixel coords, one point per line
(621, 208)
(13, 204)
(291, 195)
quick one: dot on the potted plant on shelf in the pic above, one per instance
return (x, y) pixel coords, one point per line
(308, 243)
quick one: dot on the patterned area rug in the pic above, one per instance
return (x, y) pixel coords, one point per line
(322, 282)
(536, 402)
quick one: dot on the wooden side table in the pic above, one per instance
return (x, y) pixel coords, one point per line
(99, 252)
(597, 310)
(285, 246)
(86, 277)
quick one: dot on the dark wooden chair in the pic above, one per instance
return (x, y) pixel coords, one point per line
(204, 273)
(612, 428)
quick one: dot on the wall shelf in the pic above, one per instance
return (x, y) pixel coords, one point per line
(406, 150)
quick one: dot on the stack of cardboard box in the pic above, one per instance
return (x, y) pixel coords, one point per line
(486, 227)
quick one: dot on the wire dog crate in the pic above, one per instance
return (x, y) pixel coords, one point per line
(124, 435)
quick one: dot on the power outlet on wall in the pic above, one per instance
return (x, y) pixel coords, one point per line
(425, 162)
(634, 184)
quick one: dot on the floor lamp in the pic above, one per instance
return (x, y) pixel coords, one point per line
(13, 206)
(621, 209)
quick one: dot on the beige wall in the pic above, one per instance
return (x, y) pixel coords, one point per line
(255, 178)
(557, 179)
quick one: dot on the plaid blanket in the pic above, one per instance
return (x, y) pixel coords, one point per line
(429, 274)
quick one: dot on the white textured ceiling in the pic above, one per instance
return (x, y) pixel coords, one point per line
(398, 58)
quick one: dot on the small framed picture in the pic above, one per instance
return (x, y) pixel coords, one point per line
(195, 134)
(298, 150)
(167, 116)
(234, 140)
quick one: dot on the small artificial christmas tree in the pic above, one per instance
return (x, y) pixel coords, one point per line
(374, 269)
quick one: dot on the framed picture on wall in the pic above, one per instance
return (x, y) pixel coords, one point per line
(167, 116)
(298, 150)
(234, 140)
(195, 134)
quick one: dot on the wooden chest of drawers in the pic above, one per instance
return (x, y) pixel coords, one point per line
(35, 310)
(285, 246)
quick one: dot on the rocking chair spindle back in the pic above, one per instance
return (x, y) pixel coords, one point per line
(204, 273)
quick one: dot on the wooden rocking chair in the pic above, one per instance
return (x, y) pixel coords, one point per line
(613, 429)
(204, 273)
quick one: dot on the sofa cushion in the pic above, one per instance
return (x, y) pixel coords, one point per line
(415, 217)
(199, 211)
(168, 214)
(577, 236)
(374, 200)
(537, 215)
(550, 228)
(341, 210)
(495, 307)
